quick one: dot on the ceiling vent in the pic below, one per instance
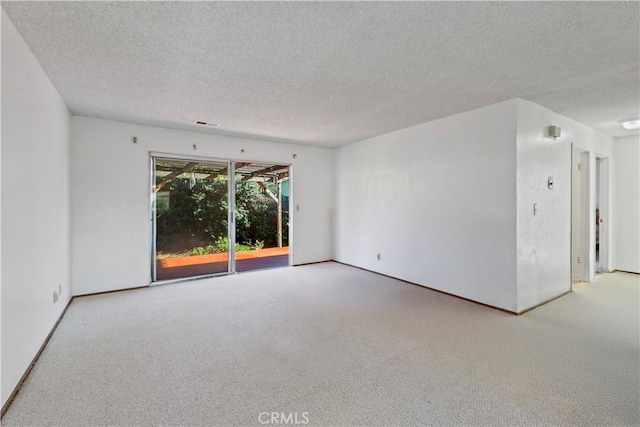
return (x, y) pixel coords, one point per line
(211, 125)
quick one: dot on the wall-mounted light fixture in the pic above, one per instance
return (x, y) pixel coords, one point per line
(630, 124)
(553, 132)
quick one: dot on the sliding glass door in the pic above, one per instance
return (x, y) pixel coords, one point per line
(193, 232)
(191, 218)
(262, 216)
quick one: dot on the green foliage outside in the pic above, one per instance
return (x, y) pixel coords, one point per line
(221, 245)
(192, 219)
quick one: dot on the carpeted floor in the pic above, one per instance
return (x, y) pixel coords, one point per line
(336, 345)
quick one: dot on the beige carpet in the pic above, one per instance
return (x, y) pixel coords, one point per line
(342, 345)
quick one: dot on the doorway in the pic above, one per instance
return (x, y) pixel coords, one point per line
(215, 217)
(579, 215)
(602, 214)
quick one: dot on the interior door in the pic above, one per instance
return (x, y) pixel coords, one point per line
(579, 216)
(602, 214)
(190, 218)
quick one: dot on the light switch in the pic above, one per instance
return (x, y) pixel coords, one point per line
(535, 209)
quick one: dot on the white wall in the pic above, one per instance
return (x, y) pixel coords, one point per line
(35, 206)
(626, 178)
(111, 226)
(544, 240)
(437, 201)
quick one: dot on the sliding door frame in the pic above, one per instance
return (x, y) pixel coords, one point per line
(230, 209)
(231, 225)
(231, 217)
(152, 217)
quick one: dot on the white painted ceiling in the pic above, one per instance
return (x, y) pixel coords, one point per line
(329, 73)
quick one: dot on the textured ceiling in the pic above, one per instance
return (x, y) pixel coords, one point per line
(328, 73)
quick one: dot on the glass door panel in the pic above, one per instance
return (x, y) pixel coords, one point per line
(261, 216)
(191, 218)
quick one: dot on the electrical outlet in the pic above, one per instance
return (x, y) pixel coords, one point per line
(379, 257)
(60, 289)
(55, 297)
